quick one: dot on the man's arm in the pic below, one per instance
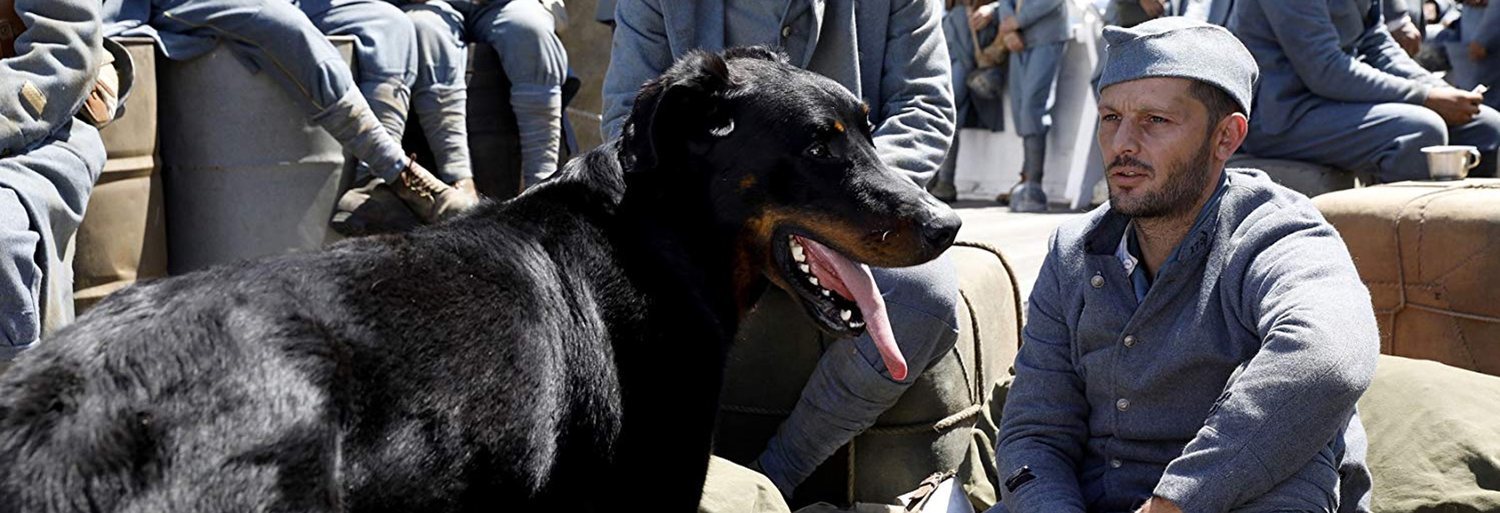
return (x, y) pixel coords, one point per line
(1317, 356)
(45, 84)
(1383, 53)
(640, 53)
(1308, 39)
(1045, 425)
(916, 122)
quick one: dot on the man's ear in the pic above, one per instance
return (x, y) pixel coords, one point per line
(685, 103)
(1229, 135)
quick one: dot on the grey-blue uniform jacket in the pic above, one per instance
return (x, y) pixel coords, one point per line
(1228, 385)
(890, 53)
(1310, 51)
(46, 83)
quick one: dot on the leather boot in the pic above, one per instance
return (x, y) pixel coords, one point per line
(1028, 196)
(430, 198)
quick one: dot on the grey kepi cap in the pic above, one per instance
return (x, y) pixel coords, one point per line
(1183, 48)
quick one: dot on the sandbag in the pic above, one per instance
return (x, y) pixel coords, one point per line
(1430, 254)
(1434, 435)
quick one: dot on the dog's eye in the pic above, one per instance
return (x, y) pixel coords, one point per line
(818, 150)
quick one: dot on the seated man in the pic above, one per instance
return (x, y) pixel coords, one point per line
(523, 34)
(1199, 343)
(891, 54)
(277, 38)
(48, 162)
(1337, 90)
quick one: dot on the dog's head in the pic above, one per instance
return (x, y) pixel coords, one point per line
(788, 161)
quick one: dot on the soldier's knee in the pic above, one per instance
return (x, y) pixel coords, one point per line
(931, 288)
(1427, 128)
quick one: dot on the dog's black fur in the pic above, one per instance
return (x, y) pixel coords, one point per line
(559, 352)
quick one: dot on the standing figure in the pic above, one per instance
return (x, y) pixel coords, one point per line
(1036, 31)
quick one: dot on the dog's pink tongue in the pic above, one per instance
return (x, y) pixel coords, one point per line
(853, 281)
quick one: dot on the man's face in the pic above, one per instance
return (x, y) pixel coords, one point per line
(1157, 147)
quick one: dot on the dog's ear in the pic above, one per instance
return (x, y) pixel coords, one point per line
(684, 104)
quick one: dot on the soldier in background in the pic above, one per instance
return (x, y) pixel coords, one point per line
(49, 159)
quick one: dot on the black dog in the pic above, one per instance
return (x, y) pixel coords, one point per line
(559, 352)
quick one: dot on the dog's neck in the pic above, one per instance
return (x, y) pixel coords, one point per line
(682, 230)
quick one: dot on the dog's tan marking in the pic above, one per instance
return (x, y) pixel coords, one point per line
(747, 182)
(865, 107)
(838, 125)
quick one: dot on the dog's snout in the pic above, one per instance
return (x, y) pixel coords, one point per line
(942, 228)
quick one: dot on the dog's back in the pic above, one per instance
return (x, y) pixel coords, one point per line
(279, 384)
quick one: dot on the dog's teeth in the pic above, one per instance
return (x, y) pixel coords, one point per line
(857, 324)
(797, 253)
(827, 293)
(805, 268)
(812, 279)
(846, 315)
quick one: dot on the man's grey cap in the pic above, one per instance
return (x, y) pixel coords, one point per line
(1183, 48)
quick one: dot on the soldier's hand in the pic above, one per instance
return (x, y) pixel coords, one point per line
(981, 16)
(1014, 42)
(1455, 105)
(1159, 505)
(1154, 8)
(1010, 25)
(1408, 37)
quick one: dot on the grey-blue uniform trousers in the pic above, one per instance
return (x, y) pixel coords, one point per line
(1337, 90)
(385, 53)
(901, 70)
(1480, 24)
(272, 36)
(524, 34)
(1032, 80)
(440, 94)
(48, 164)
(1228, 384)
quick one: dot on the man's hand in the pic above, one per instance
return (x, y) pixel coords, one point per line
(1154, 8)
(1455, 105)
(1010, 25)
(1408, 37)
(1013, 41)
(981, 16)
(1477, 52)
(1159, 505)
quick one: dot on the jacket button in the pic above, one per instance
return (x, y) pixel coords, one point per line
(1097, 281)
(786, 31)
(1129, 340)
(1122, 404)
(1115, 463)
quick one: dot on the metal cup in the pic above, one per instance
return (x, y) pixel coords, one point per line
(1450, 162)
